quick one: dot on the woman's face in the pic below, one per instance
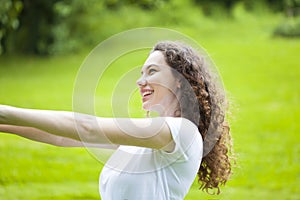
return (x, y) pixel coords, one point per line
(157, 83)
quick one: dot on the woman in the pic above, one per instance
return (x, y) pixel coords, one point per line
(156, 158)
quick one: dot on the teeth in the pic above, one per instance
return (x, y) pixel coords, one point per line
(147, 93)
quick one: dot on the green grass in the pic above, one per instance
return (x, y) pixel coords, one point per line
(260, 73)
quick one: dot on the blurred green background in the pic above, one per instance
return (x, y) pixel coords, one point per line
(254, 44)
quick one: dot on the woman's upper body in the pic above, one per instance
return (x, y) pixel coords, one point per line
(148, 173)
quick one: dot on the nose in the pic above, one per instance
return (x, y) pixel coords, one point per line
(141, 81)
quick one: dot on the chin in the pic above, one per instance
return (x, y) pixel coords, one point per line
(152, 108)
(146, 106)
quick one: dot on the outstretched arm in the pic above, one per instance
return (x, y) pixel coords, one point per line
(149, 132)
(44, 137)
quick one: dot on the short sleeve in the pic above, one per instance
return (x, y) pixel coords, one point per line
(188, 141)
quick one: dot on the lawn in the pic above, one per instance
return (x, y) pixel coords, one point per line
(261, 76)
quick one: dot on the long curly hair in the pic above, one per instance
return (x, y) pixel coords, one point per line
(206, 107)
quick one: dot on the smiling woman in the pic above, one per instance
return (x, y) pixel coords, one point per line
(155, 158)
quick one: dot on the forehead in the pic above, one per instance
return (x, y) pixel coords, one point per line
(155, 58)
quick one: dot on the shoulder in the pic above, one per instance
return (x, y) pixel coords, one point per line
(179, 124)
(184, 132)
(187, 140)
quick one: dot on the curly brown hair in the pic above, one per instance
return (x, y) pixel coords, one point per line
(206, 108)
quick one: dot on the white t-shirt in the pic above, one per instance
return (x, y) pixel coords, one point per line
(137, 173)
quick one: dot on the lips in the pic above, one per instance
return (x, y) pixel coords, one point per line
(146, 94)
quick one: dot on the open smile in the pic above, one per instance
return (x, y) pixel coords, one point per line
(146, 94)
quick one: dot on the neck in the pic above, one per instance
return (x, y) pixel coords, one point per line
(170, 110)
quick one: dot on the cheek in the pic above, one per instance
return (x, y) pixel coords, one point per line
(163, 93)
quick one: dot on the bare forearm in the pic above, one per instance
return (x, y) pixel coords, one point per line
(60, 123)
(39, 136)
(45, 137)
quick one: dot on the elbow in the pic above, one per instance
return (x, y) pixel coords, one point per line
(91, 130)
(87, 129)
